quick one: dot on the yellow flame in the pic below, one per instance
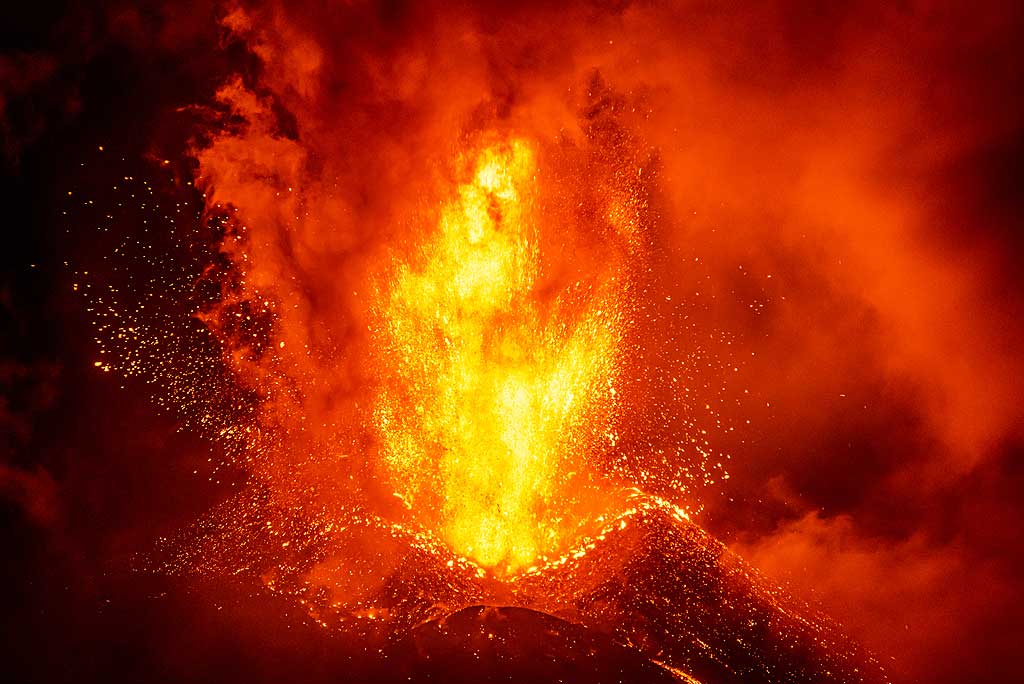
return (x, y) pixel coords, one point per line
(489, 388)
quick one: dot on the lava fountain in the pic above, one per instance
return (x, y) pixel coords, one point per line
(493, 391)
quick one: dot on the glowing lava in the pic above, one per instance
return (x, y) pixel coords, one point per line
(491, 384)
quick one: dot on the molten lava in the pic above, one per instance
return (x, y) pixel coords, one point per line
(492, 388)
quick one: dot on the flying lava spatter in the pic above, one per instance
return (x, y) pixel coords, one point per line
(494, 391)
(476, 424)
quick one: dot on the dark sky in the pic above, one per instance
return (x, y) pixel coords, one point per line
(881, 477)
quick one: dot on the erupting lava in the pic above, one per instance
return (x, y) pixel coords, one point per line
(473, 391)
(493, 389)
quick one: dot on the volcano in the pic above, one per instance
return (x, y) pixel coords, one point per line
(656, 592)
(650, 597)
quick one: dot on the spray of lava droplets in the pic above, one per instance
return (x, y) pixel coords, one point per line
(450, 390)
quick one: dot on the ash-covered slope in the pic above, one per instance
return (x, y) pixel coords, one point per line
(653, 587)
(663, 586)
